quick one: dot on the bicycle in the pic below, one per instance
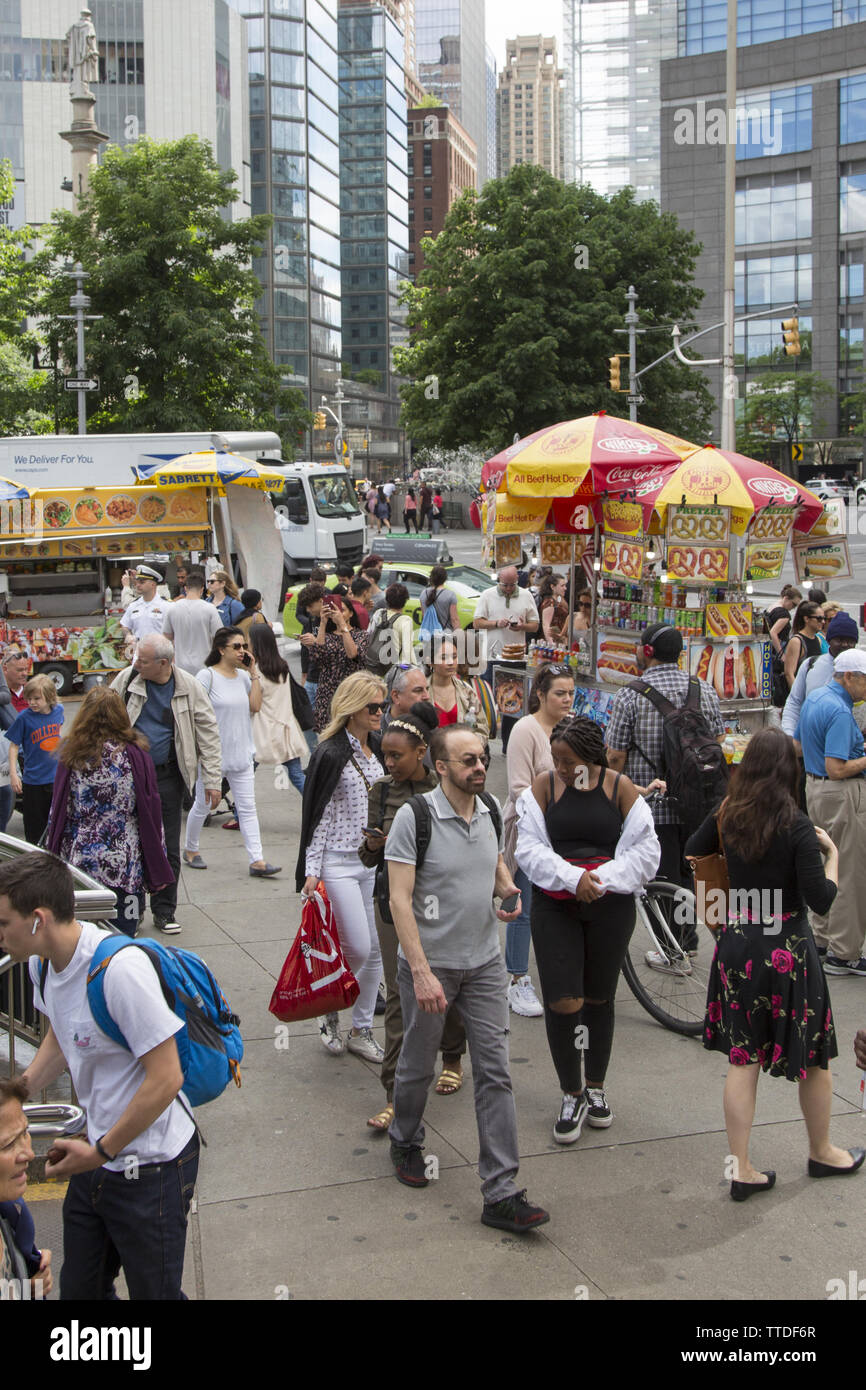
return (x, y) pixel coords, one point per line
(673, 990)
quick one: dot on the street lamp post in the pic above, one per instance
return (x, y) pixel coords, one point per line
(79, 302)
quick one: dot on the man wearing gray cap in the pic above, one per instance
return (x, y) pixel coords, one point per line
(147, 612)
(832, 748)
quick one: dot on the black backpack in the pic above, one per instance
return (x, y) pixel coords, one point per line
(373, 659)
(693, 763)
(423, 830)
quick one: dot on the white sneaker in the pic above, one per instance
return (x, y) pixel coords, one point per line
(364, 1045)
(332, 1038)
(523, 1000)
(680, 965)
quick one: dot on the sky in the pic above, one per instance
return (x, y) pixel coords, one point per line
(505, 19)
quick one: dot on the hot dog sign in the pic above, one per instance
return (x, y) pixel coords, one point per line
(737, 670)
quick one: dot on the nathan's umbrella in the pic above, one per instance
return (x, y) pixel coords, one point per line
(720, 477)
(209, 468)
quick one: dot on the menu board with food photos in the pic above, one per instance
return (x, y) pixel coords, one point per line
(622, 559)
(70, 512)
(111, 543)
(508, 550)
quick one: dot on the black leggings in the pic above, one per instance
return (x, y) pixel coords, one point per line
(579, 951)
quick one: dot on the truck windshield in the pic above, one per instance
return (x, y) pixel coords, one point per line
(334, 496)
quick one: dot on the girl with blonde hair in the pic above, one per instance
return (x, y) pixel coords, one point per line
(338, 779)
(222, 592)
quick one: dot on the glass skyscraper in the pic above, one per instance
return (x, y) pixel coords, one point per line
(455, 65)
(703, 23)
(295, 175)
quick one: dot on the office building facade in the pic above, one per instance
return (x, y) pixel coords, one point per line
(800, 189)
(165, 70)
(529, 106)
(455, 64)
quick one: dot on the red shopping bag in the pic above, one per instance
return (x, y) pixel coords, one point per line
(315, 978)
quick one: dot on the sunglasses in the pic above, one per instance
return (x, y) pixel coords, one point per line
(237, 646)
(560, 670)
(584, 605)
(469, 760)
(377, 708)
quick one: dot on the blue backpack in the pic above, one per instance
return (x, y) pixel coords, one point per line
(209, 1044)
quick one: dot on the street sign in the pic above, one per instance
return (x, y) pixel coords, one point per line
(796, 453)
(338, 447)
(81, 383)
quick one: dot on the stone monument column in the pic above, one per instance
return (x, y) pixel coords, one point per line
(83, 137)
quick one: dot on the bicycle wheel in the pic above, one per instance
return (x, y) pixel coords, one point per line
(673, 988)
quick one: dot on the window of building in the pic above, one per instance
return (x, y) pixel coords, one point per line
(852, 198)
(773, 208)
(428, 190)
(428, 214)
(851, 273)
(775, 122)
(773, 280)
(852, 109)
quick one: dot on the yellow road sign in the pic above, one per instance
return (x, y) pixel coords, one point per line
(796, 453)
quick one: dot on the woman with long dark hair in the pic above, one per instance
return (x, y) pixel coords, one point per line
(234, 687)
(805, 640)
(276, 733)
(106, 816)
(442, 599)
(553, 609)
(587, 844)
(768, 1005)
(339, 647)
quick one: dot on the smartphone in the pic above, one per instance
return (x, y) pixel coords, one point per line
(510, 904)
(374, 830)
(246, 658)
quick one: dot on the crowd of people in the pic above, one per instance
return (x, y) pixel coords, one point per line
(423, 868)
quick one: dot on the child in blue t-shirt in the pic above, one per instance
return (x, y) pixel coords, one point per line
(33, 739)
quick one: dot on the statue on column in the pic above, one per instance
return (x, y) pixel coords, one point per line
(83, 54)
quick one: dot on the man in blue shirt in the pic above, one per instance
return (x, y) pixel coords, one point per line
(833, 752)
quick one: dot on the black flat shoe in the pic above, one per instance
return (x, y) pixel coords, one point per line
(827, 1170)
(740, 1191)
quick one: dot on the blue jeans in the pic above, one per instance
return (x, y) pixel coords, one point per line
(7, 802)
(296, 773)
(138, 1223)
(130, 910)
(518, 934)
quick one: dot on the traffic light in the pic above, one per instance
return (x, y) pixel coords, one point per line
(791, 337)
(319, 421)
(613, 368)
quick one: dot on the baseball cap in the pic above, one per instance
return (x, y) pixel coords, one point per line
(854, 660)
(666, 641)
(146, 572)
(842, 626)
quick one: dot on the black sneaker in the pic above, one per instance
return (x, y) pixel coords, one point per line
(572, 1114)
(599, 1114)
(380, 1002)
(514, 1214)
(409, 1164)
(834, 966)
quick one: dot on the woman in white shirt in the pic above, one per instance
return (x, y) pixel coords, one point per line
(550, 699)
(339, 776)
(234, 687)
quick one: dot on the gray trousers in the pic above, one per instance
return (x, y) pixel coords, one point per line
(481, 997)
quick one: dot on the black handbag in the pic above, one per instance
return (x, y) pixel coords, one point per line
(301, 707)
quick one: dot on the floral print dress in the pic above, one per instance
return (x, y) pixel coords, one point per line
(767, 999)
(101, 832)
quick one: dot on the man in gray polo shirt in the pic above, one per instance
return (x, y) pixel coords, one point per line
(446, 922)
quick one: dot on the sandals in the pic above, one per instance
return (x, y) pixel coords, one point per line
(449, 1082)
(231, 825)
(381, 1121)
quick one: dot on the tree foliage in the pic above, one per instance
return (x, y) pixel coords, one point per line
(782, 405)
(514, 316)
(178, 346)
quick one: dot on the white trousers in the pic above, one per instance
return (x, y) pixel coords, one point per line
(350, 889)
(241, 784)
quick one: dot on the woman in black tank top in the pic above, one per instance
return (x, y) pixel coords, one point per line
(581, 938)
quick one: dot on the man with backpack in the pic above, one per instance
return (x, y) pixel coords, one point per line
(131, 1181)
(448, 928)
(390, 634)
(643, 741)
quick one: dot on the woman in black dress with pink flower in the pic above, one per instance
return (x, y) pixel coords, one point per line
(768, 1006)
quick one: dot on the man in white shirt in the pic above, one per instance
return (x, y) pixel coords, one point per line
(131, 1181)
(191, 624)
(147, 613)
(507, 613)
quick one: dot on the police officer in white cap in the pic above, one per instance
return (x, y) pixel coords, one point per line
(147, 612)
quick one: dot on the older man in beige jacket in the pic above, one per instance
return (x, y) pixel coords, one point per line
(172, 709)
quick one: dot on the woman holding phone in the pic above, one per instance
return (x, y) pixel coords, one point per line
(768, 1005)
(234, 686)
(338, 647)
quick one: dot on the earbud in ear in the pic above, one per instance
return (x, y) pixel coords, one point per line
(35, 926)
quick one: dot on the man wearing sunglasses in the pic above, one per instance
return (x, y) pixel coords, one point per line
(448, 928)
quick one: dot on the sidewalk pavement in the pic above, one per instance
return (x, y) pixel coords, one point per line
(297, 1197)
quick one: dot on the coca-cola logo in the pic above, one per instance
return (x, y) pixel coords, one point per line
(629, 477)
(563, 443)
(621, 444)
(769, 487)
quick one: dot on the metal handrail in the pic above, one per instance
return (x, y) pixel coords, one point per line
(54, 1121)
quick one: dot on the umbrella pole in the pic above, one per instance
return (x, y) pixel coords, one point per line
(571, 588)
(592, 614)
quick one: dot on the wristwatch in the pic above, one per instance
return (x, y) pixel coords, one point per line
(102, 1151)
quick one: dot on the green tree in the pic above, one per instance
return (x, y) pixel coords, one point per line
(515, 312)
(178, 346)
(782, 406)
(24, 397)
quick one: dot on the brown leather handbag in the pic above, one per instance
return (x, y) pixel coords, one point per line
(712, 885)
